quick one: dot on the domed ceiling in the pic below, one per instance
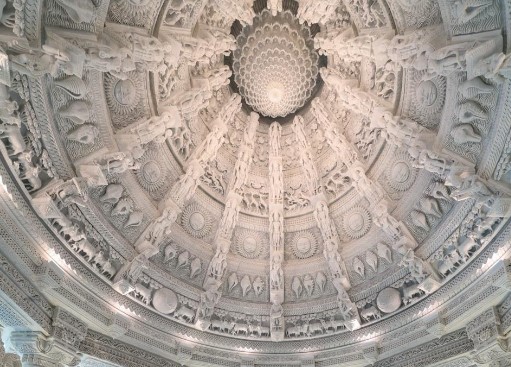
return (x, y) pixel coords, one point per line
(284, 182)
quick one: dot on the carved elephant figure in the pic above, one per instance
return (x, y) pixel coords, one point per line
(445, 266)
(16, 142)
(411, 292)
(144, 293)
(468, 246)
(332, 324)
(238, 328)
(263, 330)
(253, 329)
(293, 331)
(30, 178)
(315, 327)
(185, 313)
(99, 259)
(108, 270)
(217, 325)
(370, 313)
(85, 248)
(62, 224)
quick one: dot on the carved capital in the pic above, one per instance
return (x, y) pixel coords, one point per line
(67, 329)
(48, 276)
(38, 350)
(489, 343)
(371, 353)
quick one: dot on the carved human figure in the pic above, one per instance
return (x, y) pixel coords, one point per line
(365, 186)
(385, 221)
(322, 216)
(229, 218)
(191, 101)
(276, 314)
(40, 63)
(411, 50)
(135, 268)
(108, 55)
(277, 230)
(316, 11)
(159, 127)
(185, 187)
(346, 307)
(236, 9)
(208, 300)
(217, 266)
(206, 45)
(413, 263)
(275, 6)
(275, 132)
(121, 162)
(276, 273)
(160, 228)
(428, 160)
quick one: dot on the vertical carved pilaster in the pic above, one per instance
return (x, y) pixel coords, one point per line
(276, 229)
(182, 191)
(375, 194)
(327, 228)
(395, 130)
(217, 266)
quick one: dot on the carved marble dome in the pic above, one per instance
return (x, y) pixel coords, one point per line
(255, 183)
(275, 64)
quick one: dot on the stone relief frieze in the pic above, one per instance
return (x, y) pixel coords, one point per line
(367, 14)
(183, 14)
(82, 126)
(429, 210)
(476, 101)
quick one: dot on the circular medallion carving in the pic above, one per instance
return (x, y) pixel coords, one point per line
(304, 245)
(388, 300)
(249, 244)
(151, 171)
(356, 222)
(401, 174)
(165, 301)
(125, 92)
(152, 175)
(426, 93)
(123, 96)
(196, 221)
